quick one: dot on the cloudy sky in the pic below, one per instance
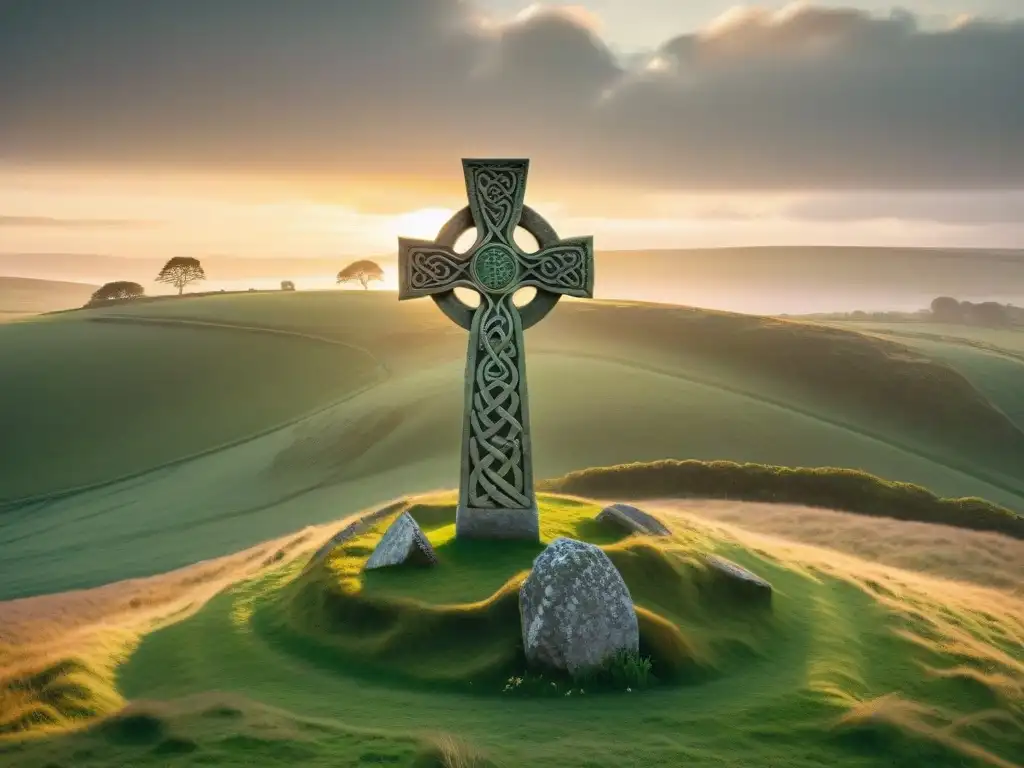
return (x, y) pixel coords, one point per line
(261, 127)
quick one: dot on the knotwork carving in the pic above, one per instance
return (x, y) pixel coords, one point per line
(499, 195)
(496, 496)
(562, 267)
(496, 478)
(432, 268)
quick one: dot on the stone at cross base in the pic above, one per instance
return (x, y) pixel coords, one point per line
(632, 520)
(737, 581)
(353, 529)
(496, 494)
(575, 609)
(403, 542)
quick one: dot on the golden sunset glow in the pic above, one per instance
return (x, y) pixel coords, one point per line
(423, 224)
(676, 140)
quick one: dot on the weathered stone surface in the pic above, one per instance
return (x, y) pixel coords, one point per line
(353, 529)
(497, 523)
(738, 579)
(633, 520)
(497, 499)
(575, 609)
(403, 542)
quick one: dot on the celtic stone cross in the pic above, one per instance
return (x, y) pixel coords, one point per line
(496, 496)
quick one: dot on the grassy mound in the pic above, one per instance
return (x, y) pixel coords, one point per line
(54, 696)
(857, 665)
(457, 624)
(846, 490)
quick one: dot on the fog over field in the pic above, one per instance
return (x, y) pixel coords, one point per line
(767, 280)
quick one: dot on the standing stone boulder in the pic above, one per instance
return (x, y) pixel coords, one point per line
(353, 529)
(403, 542)
(575, 608)
(633, 520)
(738, 581)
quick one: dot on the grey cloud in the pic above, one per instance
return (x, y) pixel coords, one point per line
(550, 56)
(813, 99)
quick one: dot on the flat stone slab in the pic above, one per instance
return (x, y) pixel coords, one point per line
(403, 542)
(633, 520)
(353, 529)
(740, 578)
(575, 609)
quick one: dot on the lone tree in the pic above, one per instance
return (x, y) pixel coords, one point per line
(364, 271)
(121, 289)
(946, 309)
(181, 271)
(991, 314)
(287, 285)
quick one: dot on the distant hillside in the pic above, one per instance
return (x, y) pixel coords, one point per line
(100, 268)
(20, 296)
(763, 280)
(806, 279)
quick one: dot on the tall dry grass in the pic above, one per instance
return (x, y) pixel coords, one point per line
(977, 557)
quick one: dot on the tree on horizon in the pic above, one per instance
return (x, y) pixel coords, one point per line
(181, 271)
(947, 309)
(117, 290)
(364, 271)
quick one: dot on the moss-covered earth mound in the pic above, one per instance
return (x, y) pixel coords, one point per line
(314, 663)
(457, 623)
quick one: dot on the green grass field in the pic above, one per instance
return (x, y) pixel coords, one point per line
(93, 402)
(609, 383)
(991, 359)
(152, 436)
(855, 665)
(661, 382)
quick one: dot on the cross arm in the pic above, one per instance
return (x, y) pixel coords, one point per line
(567, 268)
(426, 268)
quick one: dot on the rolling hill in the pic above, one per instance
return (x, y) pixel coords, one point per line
(112, 403)
(21, 297)
(991, 359)
(227, 435)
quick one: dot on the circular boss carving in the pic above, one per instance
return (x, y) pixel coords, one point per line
(533, 312)
(495, 267)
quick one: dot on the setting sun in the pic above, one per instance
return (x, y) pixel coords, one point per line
(423, 223)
